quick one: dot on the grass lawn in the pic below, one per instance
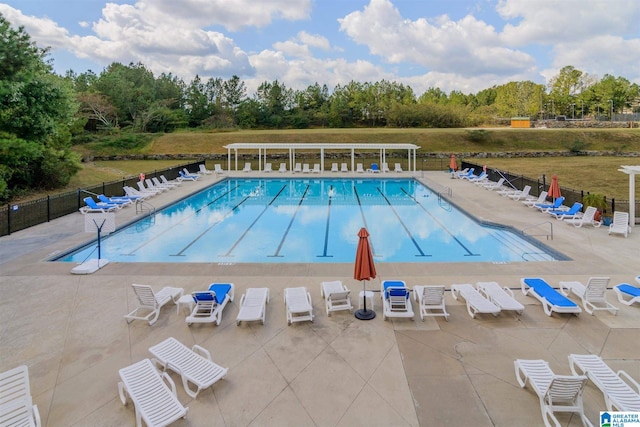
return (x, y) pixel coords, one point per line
(596, 174)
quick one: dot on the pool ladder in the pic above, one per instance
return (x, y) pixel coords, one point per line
(548, 234)
(145, 207)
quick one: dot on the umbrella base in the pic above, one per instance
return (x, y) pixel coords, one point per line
(365, 314)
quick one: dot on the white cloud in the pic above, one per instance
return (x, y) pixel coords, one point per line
(314, 40)
(231, 14)
(126, 33)
(466, 47)
(552, 21)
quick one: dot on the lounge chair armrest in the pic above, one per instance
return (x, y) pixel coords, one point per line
(36, 415)
(201, 351)
(626, 377)
(170, 383)
(509, 291)
(122, 393)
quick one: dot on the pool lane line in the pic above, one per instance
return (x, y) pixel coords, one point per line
(406, 229)
(242, 236)
(137, 248)
(441, 225)
(326, 229)
(364, 219)
(286, 232)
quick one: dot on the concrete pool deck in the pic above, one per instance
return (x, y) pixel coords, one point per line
(337, 371)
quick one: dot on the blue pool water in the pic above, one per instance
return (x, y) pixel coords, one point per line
(311, 221)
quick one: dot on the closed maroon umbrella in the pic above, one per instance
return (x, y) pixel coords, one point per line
(364, 270)
(554, 188)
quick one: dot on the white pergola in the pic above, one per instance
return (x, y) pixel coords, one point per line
(632, 171)
(292, 147)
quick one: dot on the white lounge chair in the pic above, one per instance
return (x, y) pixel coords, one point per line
(587, 218)
(491, 185)
(210, 304)
(521, 195)
(132, 192)
(552, 300)
(557, 393)
(501, 296)
(217, 168)
(592, 294)
(203, 169)
(508, 191)
(159, 186)
(627, 294)
(297, 302)
(620, 224)
(395, 299)
(532, 202)
(336, 296)
(267, 168)
(316, 168)
(147, 190)
(397, 168)
(297, 168)
(164, 180)
(359, 168)
(344, 167)
(621, 392)
(476, 303)
(169, 185)
(305, 168)
(150, 302)
(247, 167)
(430, 301)
(283, 168)
(194, 365)
(16, 403)
(334, 167)
(253, 305)
(154, 401)
(385, 167)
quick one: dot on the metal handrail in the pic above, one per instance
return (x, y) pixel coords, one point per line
(547, 235)
(142, 207)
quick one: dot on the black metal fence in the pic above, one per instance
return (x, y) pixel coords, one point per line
(542, 184)
(18, 216)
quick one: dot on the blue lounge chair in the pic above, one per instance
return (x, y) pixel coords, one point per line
(395, 299)
(467, 175)
(374, 168)
(184, 176)
(550, 206)
(209, 304)
(93, 206)
(627, 294)
(572, 213)
(114, 201)
(551, 299)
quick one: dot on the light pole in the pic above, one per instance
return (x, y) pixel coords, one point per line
(611, 101)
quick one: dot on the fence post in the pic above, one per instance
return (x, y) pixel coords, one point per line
(48, 208)
(8, 219)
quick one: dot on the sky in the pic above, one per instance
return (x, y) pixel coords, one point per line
(462, 45)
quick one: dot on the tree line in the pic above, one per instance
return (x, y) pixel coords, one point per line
(42, 113)
(131, 96)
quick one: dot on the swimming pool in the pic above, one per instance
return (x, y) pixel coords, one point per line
(312, 221)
